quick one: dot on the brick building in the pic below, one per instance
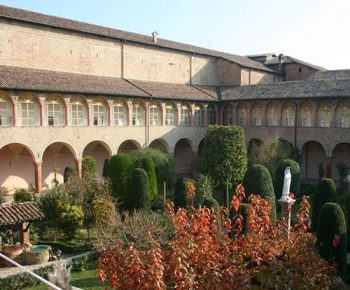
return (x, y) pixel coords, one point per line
(70, 89)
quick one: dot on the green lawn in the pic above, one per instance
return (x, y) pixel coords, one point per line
(85, 280)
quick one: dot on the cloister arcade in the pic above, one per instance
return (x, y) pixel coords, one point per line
(45, 132)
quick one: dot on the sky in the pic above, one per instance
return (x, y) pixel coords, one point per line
(316, 31)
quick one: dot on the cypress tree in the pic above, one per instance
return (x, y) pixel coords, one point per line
(180, 196)
(105, 171)
(68, 172)
(257, 180)
(139, 191)
(88, 166)
(119, 170)
(279, 177)
(148, 165)
(325, 192)
(331, 236)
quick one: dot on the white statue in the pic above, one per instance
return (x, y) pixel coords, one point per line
(286, 184)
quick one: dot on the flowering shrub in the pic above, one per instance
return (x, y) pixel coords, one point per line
(202, 255)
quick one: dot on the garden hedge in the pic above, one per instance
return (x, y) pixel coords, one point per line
(119, 170)
(325, 192)
(105, 170)
(88, 166)
(139, 191)
(332, 225)
(279, 177)
(257, 180)
(148, 165)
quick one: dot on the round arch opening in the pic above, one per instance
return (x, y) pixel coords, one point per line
(161, 145)
(100, 152)
(56, 157)
(340, 154)
(16, 168)
(313, 155)
(129, 146)
(184, 158)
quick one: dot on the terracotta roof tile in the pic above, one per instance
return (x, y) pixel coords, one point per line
(52, 81)
(18, 213)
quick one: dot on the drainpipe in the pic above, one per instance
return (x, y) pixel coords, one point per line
(296, 126)
(191, 58)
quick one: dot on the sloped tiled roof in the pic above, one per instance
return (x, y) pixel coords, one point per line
(329, 84)
(18, 213)
(58, 22)
(176, 91)
(51, 81)
(290, 59)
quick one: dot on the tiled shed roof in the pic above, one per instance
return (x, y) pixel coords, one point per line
(52, 81)
(53, 21)
(290, 59)
(18, 213)
(321, 85)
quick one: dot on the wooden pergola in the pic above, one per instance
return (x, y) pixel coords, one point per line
(21, 215)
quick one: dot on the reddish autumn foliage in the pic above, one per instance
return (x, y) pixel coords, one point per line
(203, 255)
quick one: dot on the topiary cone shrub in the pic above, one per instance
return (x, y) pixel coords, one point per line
(279, 177)
(331, 236)
(139, 191)
(257, 180)
(326, 192)
(180, 193)
(88, 166)
(148, 165)
(105, 170)
(119, 170)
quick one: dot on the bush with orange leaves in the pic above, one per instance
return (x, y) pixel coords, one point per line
(202, 255)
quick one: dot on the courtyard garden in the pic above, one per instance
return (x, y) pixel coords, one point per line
(220, 229)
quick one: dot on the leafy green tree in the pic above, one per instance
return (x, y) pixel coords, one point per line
(331, 236)
(88, 166)
(279, 177)
(257, 180)
(148, 166)
(326, 192)
(106, 164)
(224, 156)
(119, 170)
(139, 191)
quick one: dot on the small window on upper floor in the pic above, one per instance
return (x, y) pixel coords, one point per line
(299, 69)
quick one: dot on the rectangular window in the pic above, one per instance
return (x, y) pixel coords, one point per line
(198, 118)
(77, 115)
(99, 116)
(154, 116)
(118, 115)
(169, 116)
(184, 117)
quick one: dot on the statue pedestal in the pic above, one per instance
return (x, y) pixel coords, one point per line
(286, 211)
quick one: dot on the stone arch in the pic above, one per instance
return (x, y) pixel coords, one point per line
(160, 144)
(6, 110)
(287, 145)
(313, 154)
(100, 151)
(340, 153)
(184, 158)
(56, 157)
(16, 168)
(128, 146)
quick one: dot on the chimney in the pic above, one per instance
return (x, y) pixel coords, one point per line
(281, 58)
(155, 36)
